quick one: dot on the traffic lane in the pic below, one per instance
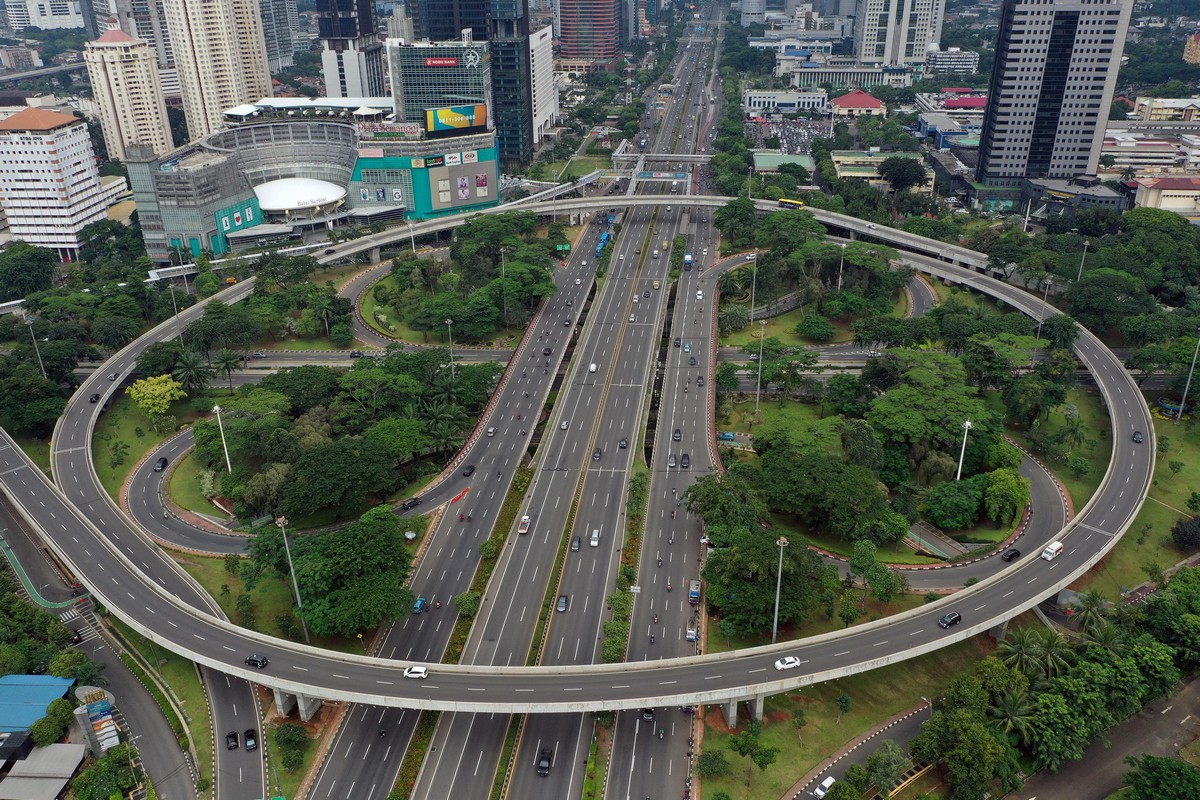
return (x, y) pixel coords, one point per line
(239, 772)
(568, 738)
(366, 754)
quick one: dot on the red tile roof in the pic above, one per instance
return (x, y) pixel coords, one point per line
(36, 119)
(1172, 183)
(857, 99)
(116, 35)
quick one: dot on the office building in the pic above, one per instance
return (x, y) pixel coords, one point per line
(279, 21)
(766, 101)
(589, 35)
(429, 75)
(1051, 88)
(400, 24)
(351, 54)
(897, 33)
(46, 15)
(953, 60)
(1191, 49)
(511, 65)
(124, 76)
(443, 20)
(50, 186)
(220, 56)
(544, 92)
(754, 12)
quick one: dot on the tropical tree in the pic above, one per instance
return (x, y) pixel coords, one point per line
(1089, 610)
(191, 372)
(1011, 713)
(226, 361)
(1021, 651)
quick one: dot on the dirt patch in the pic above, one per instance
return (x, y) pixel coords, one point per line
(715, 719)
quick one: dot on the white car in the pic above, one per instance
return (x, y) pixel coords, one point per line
(622, 256)
(787, 662)
(823, 789)
(578, 281)
(416, 672)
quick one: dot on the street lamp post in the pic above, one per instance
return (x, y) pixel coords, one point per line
(224, 446)
(450, 338)
(281, 521)
(963, 452)
(504, 284)
(1086, 245)
(412, 239)
(29, 324)
(841, 263)
(782, 542)
(178, 325)
(762, 332)
(1041, 318)
(1187, 387)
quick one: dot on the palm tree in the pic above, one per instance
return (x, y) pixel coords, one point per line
(191, 371)
(444, 387)
(1055, 653)
(1020, 650)
(322, 307)
(227, 361)
(443, 436)
(1106, 637)
(1089, 609)
(1011, 714)
(732, 317)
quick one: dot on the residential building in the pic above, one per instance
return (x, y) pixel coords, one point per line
(1178, 194)
(771, 102)
(124, 77)
(754, 12)
(279, 21)
(544, 94)
(590, 34)
(46, 15)
(1191, 49)
(1168, 109)
(427, 75)
(858, 104)
(351, 54)
(19, 58)
(146, 19)
(511, 66)
(50, 186)
(896, 33)
(1051, 88)
(952, 60)
(221, 58)
(865, 166)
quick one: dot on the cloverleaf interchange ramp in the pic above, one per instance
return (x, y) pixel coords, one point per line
(118, 577)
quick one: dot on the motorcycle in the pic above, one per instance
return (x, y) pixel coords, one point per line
(661, 732)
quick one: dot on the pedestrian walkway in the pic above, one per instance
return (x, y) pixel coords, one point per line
(923, 537)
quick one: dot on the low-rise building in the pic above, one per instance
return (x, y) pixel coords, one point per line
(858, 104)
(1178, 194)
(762, 101)
(864, 165)
(1165, 109)
(769, 161)
(1140, 152)
(19, 58)
(803, 69)
(953, 60)
(946, 130)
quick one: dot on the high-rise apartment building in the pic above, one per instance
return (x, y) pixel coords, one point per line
(512, 90)
(1051, 88)
(590, 33)
(45, 14)
(280, 20)
(544, 93)
(50, 186)
(221, 58)
(1191, 49)
(124, 77)
(896, 33)
(146, 19)
(351, 55)
(439, 74)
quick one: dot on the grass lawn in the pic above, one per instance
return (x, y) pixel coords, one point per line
(338, 274)
(927, 787)
(185, 488)
(967, 298)
(301, 343)
(121, 424)
(1191, 753)
(817, 624)
(179, 675)
(1148, 540)
(874, 696)
(783, 327)
(895, 553)
(802, 421)
(288, 782)
(37, 449)
(582, 165)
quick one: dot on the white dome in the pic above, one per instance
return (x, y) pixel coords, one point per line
(296, 194)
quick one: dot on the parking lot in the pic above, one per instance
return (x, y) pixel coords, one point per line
(795, 137)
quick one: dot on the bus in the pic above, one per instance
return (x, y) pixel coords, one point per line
(785, 203)
(694, 592)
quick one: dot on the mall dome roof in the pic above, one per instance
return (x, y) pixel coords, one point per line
(296, 194)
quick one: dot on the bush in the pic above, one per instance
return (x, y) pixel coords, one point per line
(815, 328)
(489, 549)
(1186, 534)
(713, 764)
(468, 603)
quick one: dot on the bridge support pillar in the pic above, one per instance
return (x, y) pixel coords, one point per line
(998, 633)
(284, 702)
(309, 706)
(731, 711)
(373, 255)
(760, 700)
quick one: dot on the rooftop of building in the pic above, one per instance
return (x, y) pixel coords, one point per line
(23, 698)
(1189, 182)
(857, 99)
(295, 194)
(37, 119)
(44, 774)
(772, 160)
(1081, 186)
(873, 155)
(1171, 102)
(115, 36)
(974, 101)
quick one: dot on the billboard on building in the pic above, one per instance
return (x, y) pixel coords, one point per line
(389, 130)
(460, 179)
(455, 120)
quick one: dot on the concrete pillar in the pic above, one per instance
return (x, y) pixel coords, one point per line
(374, 255)
(760, 700)
(731, 712)
(999, 631)
(284, 702)
(309, 706)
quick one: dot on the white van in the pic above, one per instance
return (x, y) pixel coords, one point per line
(592, 367)
(699, 294)
(656, 254)
(595, 540)
(1052, 551)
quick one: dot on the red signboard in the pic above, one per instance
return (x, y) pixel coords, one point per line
(441, 62)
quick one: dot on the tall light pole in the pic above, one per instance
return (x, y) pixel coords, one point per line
(450, 338)
(963, 452)
(412, 239)
(281, 521)
(762, 332)
(841, 263)
(224, 446)
(1041, 317)
(782, 542)
(178, 325)
(1188, 386)
(29, 324)
(504, 284)
(1086, 245)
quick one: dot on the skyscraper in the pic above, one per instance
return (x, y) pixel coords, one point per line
(221, 58)
(512, 87)
(280, 20)
(590, 32)
(351, 55)
(49, 183)
(439, 74)
(145, 19)
(445, 20)
(40, 14)
(896, 33)
(1051, 88)
(124, 77)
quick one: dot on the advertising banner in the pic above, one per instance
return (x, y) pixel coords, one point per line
(455, 120)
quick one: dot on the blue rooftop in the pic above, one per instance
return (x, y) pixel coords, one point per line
(23, 699)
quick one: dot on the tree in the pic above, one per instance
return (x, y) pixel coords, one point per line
(902, 173)
(24, 270)
(226, 361)
(1060, 331)
(887, 765)
(114, 332)
(1186, 533)
(155, 395)
(1006, 496)
(191, 372)
(843, 706)
(1156, 777)
(468, 604)
(748, 744)
(955, 504)
(713, 764)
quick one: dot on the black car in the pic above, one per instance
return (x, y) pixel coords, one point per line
(329, 251)
(545, 759)
(231, 740)
(161, 464)
(622, 443)
(691, 361)
(356, 354)
(1137, 437)
(546, 351)
(953, 618)
(469, 471)
(251, 739)
(647, 292)
(566, 323)
(95, 398)
(257, 661)
(648, 714)
(677, 436)
(410, 503)
(678, 341)
(699, 380)
(596, 454)
(685, 461)
(1011, 554)
(76, 636)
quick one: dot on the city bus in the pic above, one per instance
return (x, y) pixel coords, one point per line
(785, 203)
